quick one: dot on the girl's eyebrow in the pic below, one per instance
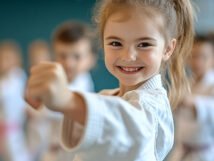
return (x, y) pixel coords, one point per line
(146, 38)
(113, 37)
(139, 39)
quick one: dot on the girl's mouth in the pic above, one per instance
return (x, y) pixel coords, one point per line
(129, 70)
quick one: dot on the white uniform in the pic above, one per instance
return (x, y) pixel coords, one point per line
(209, 78)
(136, 127)
(195, 136)
(83, 82)
(12, 117)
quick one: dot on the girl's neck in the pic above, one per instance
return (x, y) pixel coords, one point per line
(124, 89)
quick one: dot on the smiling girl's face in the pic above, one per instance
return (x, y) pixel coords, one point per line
(134, 47)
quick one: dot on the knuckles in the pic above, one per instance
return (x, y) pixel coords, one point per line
(55, 69)
(52, 70)
(45, 79)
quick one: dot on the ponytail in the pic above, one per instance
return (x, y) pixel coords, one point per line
(179, 85)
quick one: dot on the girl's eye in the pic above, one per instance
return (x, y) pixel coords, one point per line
(144, 45)
(115, 44)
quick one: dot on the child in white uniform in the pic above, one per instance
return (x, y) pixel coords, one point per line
(134, 122)
(12, 105)
(195, 115)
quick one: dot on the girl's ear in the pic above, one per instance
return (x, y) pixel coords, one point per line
(169, 49)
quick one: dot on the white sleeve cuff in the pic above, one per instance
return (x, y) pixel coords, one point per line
(75, 137)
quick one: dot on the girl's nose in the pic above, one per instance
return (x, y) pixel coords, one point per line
(129, 54)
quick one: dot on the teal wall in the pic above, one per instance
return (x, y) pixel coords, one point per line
(205, 15)
(27, 20)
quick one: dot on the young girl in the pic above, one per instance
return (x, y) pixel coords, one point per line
(133, 122)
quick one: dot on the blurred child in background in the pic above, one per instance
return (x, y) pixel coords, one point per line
(195, 114)
(74, 48)
(12, 105)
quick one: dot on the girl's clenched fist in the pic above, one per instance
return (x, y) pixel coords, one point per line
(48, 85)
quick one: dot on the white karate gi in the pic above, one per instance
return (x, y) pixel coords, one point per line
(136, 127)
(83, 82)
(12, 116)
(209, 77)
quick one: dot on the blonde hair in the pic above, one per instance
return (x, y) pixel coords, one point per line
(178, 16)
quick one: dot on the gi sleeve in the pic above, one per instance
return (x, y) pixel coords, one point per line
(114, 127)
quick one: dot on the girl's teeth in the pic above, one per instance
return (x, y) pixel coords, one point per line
(128, 69)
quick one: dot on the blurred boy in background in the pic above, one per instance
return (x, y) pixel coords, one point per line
(195, 115)
(74, 48)
(12, 105)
